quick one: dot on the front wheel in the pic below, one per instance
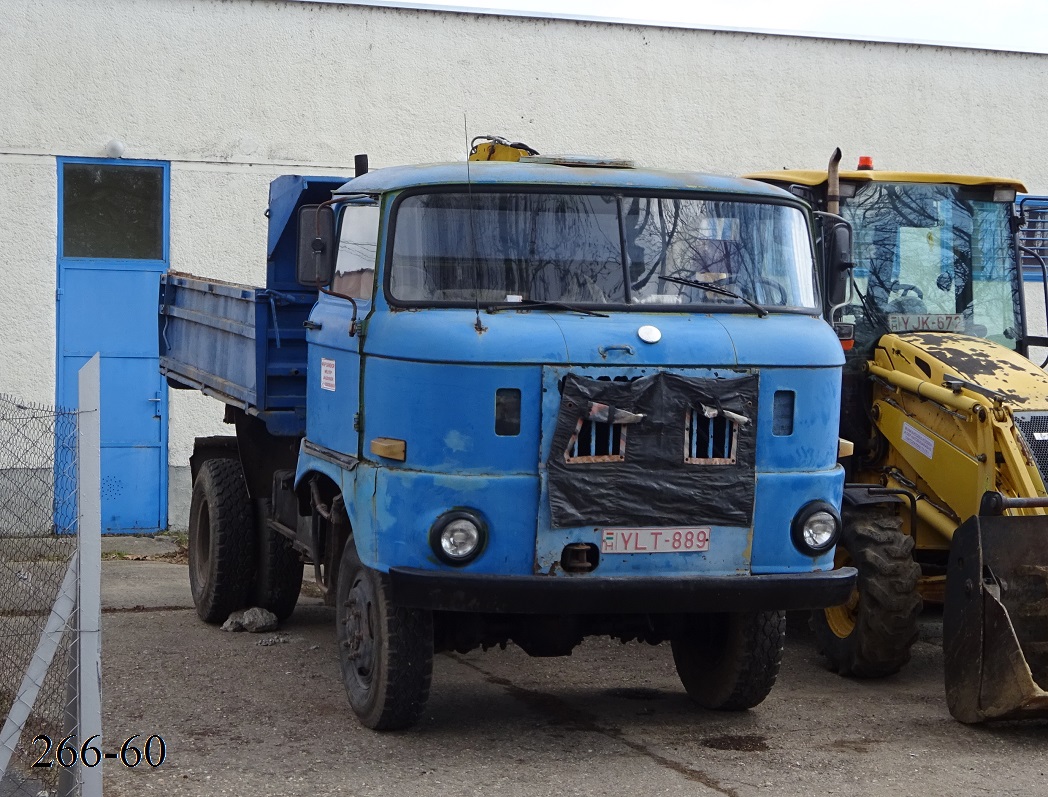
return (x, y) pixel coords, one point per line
(385, 652)
(871, 634)
(729, 662)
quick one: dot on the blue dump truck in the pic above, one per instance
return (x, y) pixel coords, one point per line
(527, 400)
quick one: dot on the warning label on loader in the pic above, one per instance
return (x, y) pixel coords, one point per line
(918, 440)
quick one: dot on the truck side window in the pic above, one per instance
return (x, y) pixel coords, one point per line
(357, 250)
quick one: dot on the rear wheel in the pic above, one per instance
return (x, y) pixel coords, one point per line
(386, 652)
(221, 529)
(729, 662)
(870, 635)
(278, 572)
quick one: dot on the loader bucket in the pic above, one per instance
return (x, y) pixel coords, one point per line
(995, 620)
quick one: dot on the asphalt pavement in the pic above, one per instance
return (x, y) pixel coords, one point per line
(265, 714)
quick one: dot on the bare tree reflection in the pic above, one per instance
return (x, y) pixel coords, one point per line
(932, 248)
(597, 248)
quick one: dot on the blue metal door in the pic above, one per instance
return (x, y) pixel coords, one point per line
(112, 248)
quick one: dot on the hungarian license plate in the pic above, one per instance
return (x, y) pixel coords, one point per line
(925, 322)
(655, 540)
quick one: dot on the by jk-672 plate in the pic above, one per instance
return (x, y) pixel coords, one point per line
(655, 540)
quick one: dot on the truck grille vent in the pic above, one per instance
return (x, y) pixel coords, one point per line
(1034, 429)
(709, 441)
(595, 441)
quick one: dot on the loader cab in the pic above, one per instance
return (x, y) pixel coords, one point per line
(936, 257)
(932, 253)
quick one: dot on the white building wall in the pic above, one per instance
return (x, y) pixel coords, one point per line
(234, 92)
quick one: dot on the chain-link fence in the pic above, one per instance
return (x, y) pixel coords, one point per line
(38, 524)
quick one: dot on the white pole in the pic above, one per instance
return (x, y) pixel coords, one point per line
(89, 544)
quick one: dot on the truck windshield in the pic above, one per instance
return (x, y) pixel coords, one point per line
(599, 250)
(932, 257)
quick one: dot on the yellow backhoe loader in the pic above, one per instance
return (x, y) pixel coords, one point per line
(946, 498)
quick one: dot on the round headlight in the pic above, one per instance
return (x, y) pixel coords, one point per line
(458, 536)
(819, 530)
(460, 539)
(816, 528)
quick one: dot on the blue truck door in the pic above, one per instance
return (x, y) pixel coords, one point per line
(334, 352)
(112, 248)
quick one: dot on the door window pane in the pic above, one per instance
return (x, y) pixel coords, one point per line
(357, 249)
(113, 211)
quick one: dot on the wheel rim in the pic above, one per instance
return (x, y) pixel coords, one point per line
(202, 543)
(841, 619)
(358, 632)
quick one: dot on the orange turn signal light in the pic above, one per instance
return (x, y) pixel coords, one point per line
(390, 448)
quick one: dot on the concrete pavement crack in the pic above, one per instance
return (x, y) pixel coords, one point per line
(581, 720)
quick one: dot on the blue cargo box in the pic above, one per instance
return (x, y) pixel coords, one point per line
(244, 345)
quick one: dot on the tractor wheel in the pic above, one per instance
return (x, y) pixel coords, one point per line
(221, 542)
(729, 662)
(278, 571)
(386, 652)
(870, 635)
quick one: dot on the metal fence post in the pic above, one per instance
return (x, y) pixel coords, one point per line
(89, 610)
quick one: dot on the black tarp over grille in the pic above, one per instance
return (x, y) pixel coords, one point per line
(653, 486)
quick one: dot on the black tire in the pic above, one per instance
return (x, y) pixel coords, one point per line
(870, 636)
(729, 662)
(278, 570)
(386, 652)
(221, 540)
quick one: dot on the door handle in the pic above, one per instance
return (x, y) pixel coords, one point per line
(603, 350)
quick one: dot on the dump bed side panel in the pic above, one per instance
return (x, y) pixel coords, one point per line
(242, 344)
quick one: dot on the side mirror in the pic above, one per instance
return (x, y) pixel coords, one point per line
(317, 247)
(837, 251)
(841, 247)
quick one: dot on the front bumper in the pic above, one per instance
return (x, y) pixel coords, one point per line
(488, 594)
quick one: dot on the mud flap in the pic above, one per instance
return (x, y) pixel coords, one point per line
(995, 620)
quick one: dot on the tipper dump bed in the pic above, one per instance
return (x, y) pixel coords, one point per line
(242, 344)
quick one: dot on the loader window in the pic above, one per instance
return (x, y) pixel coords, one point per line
(604, 250)
(933, 257)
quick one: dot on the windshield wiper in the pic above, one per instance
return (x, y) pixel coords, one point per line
(538, 304)
(705, 286)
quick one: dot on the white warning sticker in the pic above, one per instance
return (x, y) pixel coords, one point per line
(327, 374)
(918, 440)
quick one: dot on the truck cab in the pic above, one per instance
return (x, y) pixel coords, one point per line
(541, 400)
